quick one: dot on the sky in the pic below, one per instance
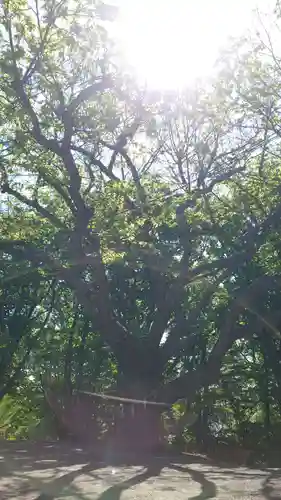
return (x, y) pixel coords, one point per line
(170, 43)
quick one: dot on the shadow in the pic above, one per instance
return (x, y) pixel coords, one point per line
(59, 484)
(17, 459)
(114, 492)
(268, 490)
(46, 455)
(208, 488)
(45, 461)
(39, 456)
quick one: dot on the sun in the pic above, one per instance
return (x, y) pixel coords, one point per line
(170, 43)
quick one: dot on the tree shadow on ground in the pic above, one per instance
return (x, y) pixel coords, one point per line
(24, 457)
(208, 488)
(59, 484)
(268, 490)
(18, 459)
(114, 492)
(49, 490)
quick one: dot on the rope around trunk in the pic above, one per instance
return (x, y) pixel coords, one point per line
(124, 400)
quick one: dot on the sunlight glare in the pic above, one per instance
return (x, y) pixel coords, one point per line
(172, 42)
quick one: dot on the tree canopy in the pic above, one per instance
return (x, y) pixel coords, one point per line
(140, 230)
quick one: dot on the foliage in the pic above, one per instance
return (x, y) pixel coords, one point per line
(139, 241)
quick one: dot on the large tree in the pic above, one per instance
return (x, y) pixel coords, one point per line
(124, 197)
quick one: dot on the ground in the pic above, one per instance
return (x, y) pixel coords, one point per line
(52, 471)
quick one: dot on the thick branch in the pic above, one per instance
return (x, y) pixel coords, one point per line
(211, 267)
(96, 304)
(207, 374)
(58, 187)
(95, 161)
(49, 145)
(63, 152)
(27, 251)
(98, 308)
(135, 175)
(250, 240)
(167, 299)
(89, 92)
(75, 180)
(175, 344)
(106, 170)
(118, 149)
(35, 205)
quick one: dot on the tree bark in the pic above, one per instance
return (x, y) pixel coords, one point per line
(139, 429)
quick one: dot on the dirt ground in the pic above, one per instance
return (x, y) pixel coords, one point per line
(51, 471)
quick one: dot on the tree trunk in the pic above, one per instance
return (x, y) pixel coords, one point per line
(139, 428)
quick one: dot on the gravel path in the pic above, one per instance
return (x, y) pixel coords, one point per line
(59, 472)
